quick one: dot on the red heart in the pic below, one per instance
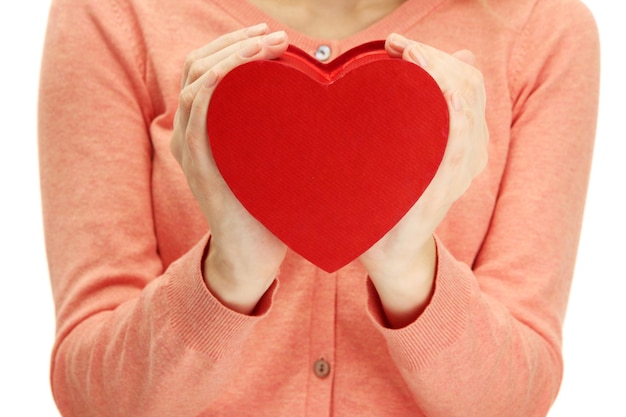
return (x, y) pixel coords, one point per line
(329, 157)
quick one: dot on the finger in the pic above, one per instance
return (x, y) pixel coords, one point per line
(459, 123)
(395, 45)
(468, 139)
(270, 47)
(219, 44)
(460, 81)
(267, 47)
(447, 70)
(259, 48)
(276, 40)
(466, 56)
(409, 50)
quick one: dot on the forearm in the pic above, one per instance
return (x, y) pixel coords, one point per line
(404, 293)
(150, 354)
(467, 354)
(236, 287)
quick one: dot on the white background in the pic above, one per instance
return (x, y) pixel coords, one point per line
(595, 346)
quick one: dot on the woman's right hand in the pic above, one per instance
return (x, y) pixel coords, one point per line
(243, 256)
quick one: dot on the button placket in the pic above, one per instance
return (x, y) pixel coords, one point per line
(322, 343)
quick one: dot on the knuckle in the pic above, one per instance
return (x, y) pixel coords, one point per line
(470, 118)
(186, 98)
(473, 85)
(190, 59)
(455, 158)
(196, 70)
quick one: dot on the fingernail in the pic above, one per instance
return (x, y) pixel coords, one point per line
(275, 38)
(417, 56)
(256, 30)
(397, 42)
(250, 50)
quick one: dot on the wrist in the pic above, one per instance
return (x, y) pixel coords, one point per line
(405, 287)
(236, 286)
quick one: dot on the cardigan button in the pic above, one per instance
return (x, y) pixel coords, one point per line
(321, 368)
(323, 53)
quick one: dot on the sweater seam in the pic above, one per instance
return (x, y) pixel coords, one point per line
(141, 63)
(139, 54)
(519, 52)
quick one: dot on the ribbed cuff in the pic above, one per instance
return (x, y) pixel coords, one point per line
(205, 324)
(443, 321)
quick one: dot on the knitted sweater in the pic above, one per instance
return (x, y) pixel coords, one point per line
(139, 334)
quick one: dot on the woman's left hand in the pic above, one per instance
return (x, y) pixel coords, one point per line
(402, 264)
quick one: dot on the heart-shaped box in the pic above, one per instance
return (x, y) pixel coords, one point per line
(328, 157)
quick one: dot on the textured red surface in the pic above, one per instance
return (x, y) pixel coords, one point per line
(329, 157)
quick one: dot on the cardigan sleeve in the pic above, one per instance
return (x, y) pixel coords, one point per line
(489, 343)
(125, 323)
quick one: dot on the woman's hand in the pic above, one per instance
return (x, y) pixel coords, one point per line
(243, 256)
(402, 264)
